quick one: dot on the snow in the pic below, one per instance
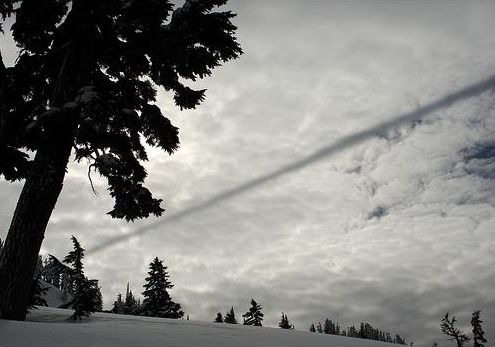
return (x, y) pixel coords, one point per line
(55, 297)
(52, 327)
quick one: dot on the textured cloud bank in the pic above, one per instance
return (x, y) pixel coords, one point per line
(396, 231)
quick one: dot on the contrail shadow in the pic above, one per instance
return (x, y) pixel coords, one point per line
(324, 152)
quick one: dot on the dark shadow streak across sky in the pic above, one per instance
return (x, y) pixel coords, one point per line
(324, 152)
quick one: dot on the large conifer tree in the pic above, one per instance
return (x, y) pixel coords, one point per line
(157, 301)
(85, 83)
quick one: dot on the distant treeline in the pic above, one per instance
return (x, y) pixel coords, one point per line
(365, 331)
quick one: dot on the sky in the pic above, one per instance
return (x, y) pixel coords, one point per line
(395, 228)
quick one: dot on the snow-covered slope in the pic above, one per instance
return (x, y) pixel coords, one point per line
(55, 297)
(50, 327)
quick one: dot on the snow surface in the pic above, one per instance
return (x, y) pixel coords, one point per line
(52, 327)
(55, 297)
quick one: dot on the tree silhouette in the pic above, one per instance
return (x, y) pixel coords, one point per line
(230, 317)
(219, 318)
(254, 315)
(87, 297)
(157, 301)
(448, 328)
(284, 322)
(478, 333)
(86, 294)
(85, 83)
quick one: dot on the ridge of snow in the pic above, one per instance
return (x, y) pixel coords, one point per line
(53, 327)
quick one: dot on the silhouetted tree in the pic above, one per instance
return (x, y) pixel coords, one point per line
(319, 329)
(329, 327)
(87, 296)
(312, 328)
(254, 315)
(131, 305)
(157, 301)
(230, 317)
(85, 82)
(399, 340)
(118, 305)
(478, 333)
(284, 322)
(448, 328)
(219, 318)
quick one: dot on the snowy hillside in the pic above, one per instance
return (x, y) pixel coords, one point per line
(50, 327)
(55, 297)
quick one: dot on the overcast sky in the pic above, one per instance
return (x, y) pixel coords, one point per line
(396, 230)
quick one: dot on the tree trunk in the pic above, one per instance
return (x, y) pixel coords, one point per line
(31, 216)
(45, 179)
(3, 107)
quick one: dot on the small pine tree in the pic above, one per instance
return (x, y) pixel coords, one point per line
(87, 295)
(329, 327)
(312, 328)
(319, 328)
(219, 318)
(157, 301)
(284, 323)
(131, 304)
(254, 315)
(448, 328)
(478, 333)
(230, 317)
(399, 340)
(118, 305)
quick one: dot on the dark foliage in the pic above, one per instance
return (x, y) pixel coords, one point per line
(99, 62)
(219, 318)
(230, 317)
(365, 331)
(448, 328)
(284, 322)
(254, 315)
(118, 305)
(38, 291)
(85, 82)
(478, 333)
(157, 301)
(87, 296)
